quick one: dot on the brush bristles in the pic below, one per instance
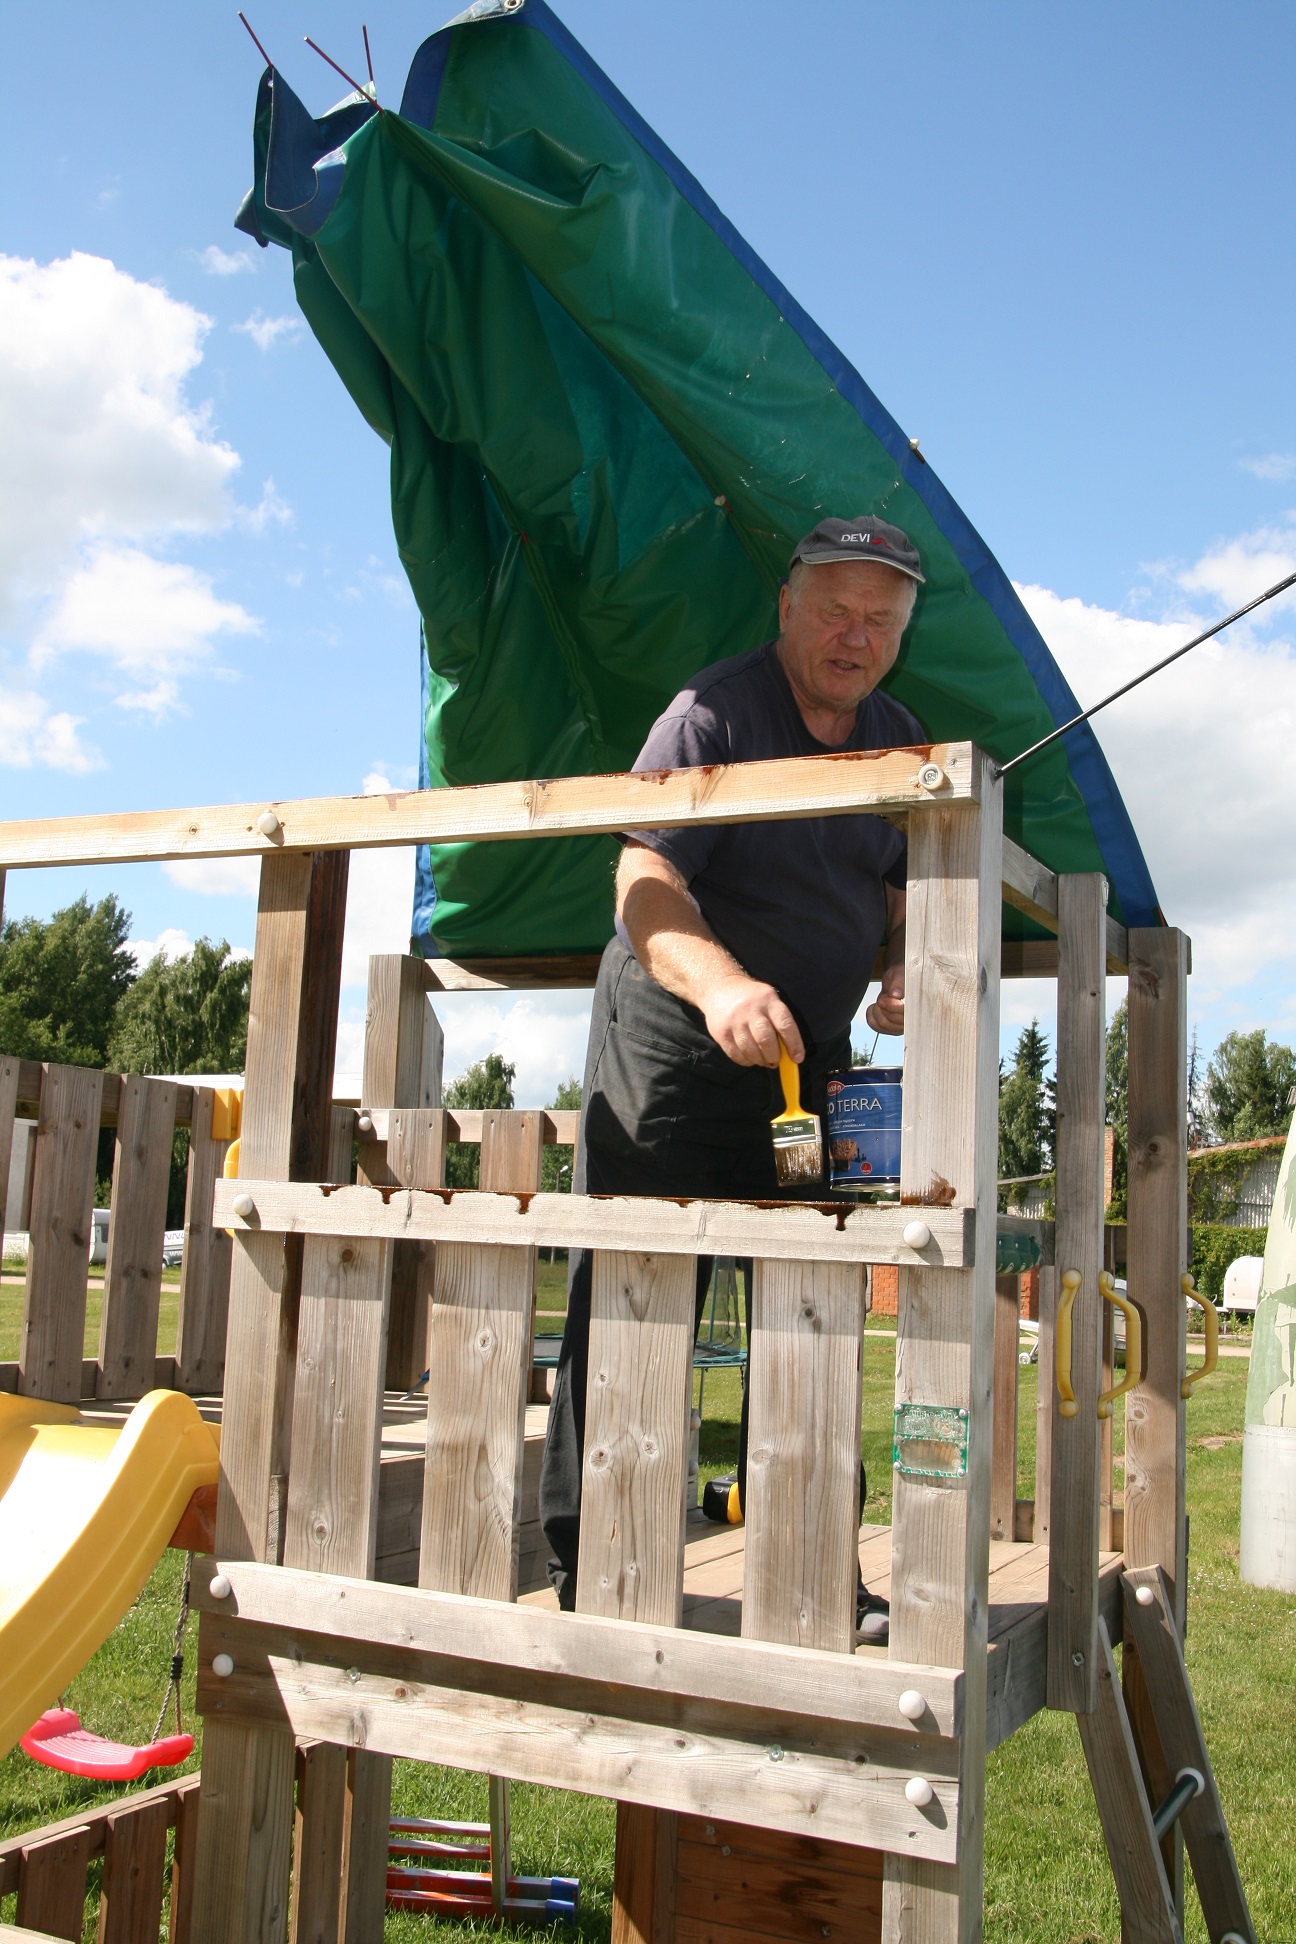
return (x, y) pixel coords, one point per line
(798, 1152)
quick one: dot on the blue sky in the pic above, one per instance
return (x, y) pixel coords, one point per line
(1057, 243)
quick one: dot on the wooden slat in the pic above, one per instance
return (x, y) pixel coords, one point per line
(67, 1138)
(529, 971)
(1146, 1908)
(128, 1322)
(367, 1813)
(182, 1862)
(1155, 1523)
(802, 1498)
(847, 1690)
(31, 1073)
(317, 1846)
(796, 1231)
(8, 1103)
(640, 1389)
(246, 1820)
(1003, 1475)
(1152, 1629)
(130, 1904)
(945, 1326)
(801, 786)
(634, 1890)
(205, 1271)
(557, 1125)
(771, 1897)
(402, 1069)
(824, 1777)
(52, 1885)
(1078, 1245)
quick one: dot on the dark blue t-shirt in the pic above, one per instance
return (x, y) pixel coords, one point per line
(799, 903)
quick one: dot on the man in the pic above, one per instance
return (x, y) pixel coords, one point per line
(731, 938)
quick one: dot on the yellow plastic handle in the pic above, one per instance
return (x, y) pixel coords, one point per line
(791, 1078)
(229, 1168)
(1133, 1345)
(1067, 1405)
(1211, 1316)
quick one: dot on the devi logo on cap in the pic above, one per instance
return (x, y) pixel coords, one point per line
(865, 538)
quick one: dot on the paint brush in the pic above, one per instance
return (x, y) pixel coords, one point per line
(798, 1137)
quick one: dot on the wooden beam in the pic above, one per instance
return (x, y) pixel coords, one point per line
(8, 1103)
(805, 1231)
(516, 972)
(1155, 1521)
(1147, 1911)
(1031, 888)
(1003, 1476)
(801, 786)
(856, 1692)
(558, 1126)
(128, 1323)
(54, 1301)
(1078, 1246)
(945, 1326)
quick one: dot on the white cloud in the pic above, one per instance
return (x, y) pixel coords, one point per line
(225, 263)
(1202, 756)
(31, 734)
(269, 511)
(265, 332)
(151, 620)
(216, 877)
(169, 944)
(1277, 466)
(1233, 572)
(380, 898)
(543, 1034)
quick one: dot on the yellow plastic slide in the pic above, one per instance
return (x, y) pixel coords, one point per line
(86, 1511)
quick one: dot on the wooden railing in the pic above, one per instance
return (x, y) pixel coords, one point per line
(48, 1868)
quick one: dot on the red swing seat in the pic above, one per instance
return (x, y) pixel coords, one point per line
(60, 1742)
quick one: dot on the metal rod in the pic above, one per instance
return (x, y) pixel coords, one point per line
(255, 42)
(1279, 587)
(1189, 1784)
(369, 59)
(361, 90)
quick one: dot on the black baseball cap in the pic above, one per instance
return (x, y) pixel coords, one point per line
(866, 538)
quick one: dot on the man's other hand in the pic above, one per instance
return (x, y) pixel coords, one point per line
(886, 1014)
(747, 1019)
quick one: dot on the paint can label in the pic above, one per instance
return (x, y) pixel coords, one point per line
(864, 1128)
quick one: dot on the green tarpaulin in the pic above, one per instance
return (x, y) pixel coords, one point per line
(608, 425)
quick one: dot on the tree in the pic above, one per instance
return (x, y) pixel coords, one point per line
(61, 982)
(1026, 1120)
(557, 1161)
(1118, 1108)
(1248, 1080)
(185, 1015)
(486, 1083)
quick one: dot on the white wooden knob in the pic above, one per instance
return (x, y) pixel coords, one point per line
(916, 1235)
(931, 776)
(220, 1588)
(1145, 1596)
(912, 1705)
(224, 1666)
(919, 1791)
(364, 1124)
(268, 824)
(244, 1206)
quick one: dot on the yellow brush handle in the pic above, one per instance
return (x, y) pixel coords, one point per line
(791, 1078)
(1068, 1407)
(1133, 1344)
(1211, 1315)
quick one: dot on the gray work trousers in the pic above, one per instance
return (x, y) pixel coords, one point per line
(664, 1112)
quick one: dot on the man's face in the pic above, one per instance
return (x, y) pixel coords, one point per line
(840, 627)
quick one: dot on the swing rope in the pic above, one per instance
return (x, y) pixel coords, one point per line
(177, 1657)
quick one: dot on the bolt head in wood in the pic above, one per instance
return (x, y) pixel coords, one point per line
(220, 1588)
(932, 777)
(223, 1664)
(1145, 1596)
(244, 1207)
(912, 1704)
(918, 1791)
(916, 1235)
(268, 824)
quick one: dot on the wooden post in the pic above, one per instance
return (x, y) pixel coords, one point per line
(205, 1272)
(8, 1101)
(402, 1068)
(1003, 1475)
(1044, 1395)
(1155, 1524)
(940, 1546)
(63, 1182)
(128, 1322)
(246, 1814)
(1078, 1246)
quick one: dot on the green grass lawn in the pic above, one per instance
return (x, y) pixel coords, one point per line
(1047, 1877)
(11, 1310)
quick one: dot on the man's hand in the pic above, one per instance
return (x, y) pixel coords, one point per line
(747, 1019)
(886, 1014)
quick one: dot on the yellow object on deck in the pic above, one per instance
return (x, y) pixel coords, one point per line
(86, 1511)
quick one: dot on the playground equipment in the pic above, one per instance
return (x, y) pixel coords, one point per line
(1268, 1555)
(315, 1672)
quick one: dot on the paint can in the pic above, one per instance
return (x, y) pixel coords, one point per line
(864, 1129)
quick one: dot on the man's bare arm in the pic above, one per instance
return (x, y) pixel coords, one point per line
(675, 945)
(886, 1014)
